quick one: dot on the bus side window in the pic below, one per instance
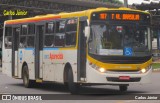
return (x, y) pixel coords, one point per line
(8, 37)
(23, 37)
(24, 29)
(71, 31)
(23, 42)
(31, 35)
(60, 33)
(49, 34)
(30, 41)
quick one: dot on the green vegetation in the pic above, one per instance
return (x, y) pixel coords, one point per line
(155, 65)
(113, 1)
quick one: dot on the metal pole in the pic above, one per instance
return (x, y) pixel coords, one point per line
(158, 39)
(126, 3)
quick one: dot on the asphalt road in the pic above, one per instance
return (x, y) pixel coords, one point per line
(92, 94)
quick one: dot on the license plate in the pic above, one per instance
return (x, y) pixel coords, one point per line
(124, 77)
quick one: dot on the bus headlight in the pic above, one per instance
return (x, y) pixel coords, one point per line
(100, 69)
(144, 70)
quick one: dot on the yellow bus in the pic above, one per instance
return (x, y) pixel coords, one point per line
(93, 47)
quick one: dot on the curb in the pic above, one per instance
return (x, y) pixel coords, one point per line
(156, 70)
(156, 62)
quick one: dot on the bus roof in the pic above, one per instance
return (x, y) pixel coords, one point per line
(66, 15)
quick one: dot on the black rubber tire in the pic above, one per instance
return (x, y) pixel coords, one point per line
(73, 87)
(26, 81)
(123, 88)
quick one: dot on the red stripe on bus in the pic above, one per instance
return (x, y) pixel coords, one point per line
(33, 20)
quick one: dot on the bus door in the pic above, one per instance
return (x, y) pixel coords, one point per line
(39, 51)
(15, 45)
(81, 61)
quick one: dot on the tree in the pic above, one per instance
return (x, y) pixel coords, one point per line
(113, 1)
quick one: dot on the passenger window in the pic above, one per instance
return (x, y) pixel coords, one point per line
(8, 31)
(49, 36)
(8, 42)
(60, 26)
(8, 37)
(60, 33)
(27, 37)
(49, 40)
(71, 31)
(50, 27)
(31, 29)
(60, 39)
(71, 25)
(24, 29)
(30, 41)
(23, 42)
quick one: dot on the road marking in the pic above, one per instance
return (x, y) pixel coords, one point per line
(128, 101)
(120, 102)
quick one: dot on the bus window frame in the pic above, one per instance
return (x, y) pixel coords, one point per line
(75, 18)
(59, 33)
(55, 27)
(11, 36)
(34, 28)
(31, 35)
(49, 34)
(27, 35)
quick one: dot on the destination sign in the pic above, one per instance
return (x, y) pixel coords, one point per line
(133, 17)
(116, 16)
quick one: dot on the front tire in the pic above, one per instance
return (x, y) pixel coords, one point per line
(73, 87)
(26, 81)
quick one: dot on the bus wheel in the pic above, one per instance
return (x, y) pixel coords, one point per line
(73, 87)
(26, 82)
(123, 88)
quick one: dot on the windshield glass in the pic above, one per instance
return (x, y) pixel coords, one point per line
(117, 39)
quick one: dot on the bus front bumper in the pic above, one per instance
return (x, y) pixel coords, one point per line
(117, 78)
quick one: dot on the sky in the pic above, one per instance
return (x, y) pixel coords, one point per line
(133, 1)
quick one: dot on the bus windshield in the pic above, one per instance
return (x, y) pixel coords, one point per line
(114, 39)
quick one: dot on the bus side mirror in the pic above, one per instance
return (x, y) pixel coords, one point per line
(87, 32)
